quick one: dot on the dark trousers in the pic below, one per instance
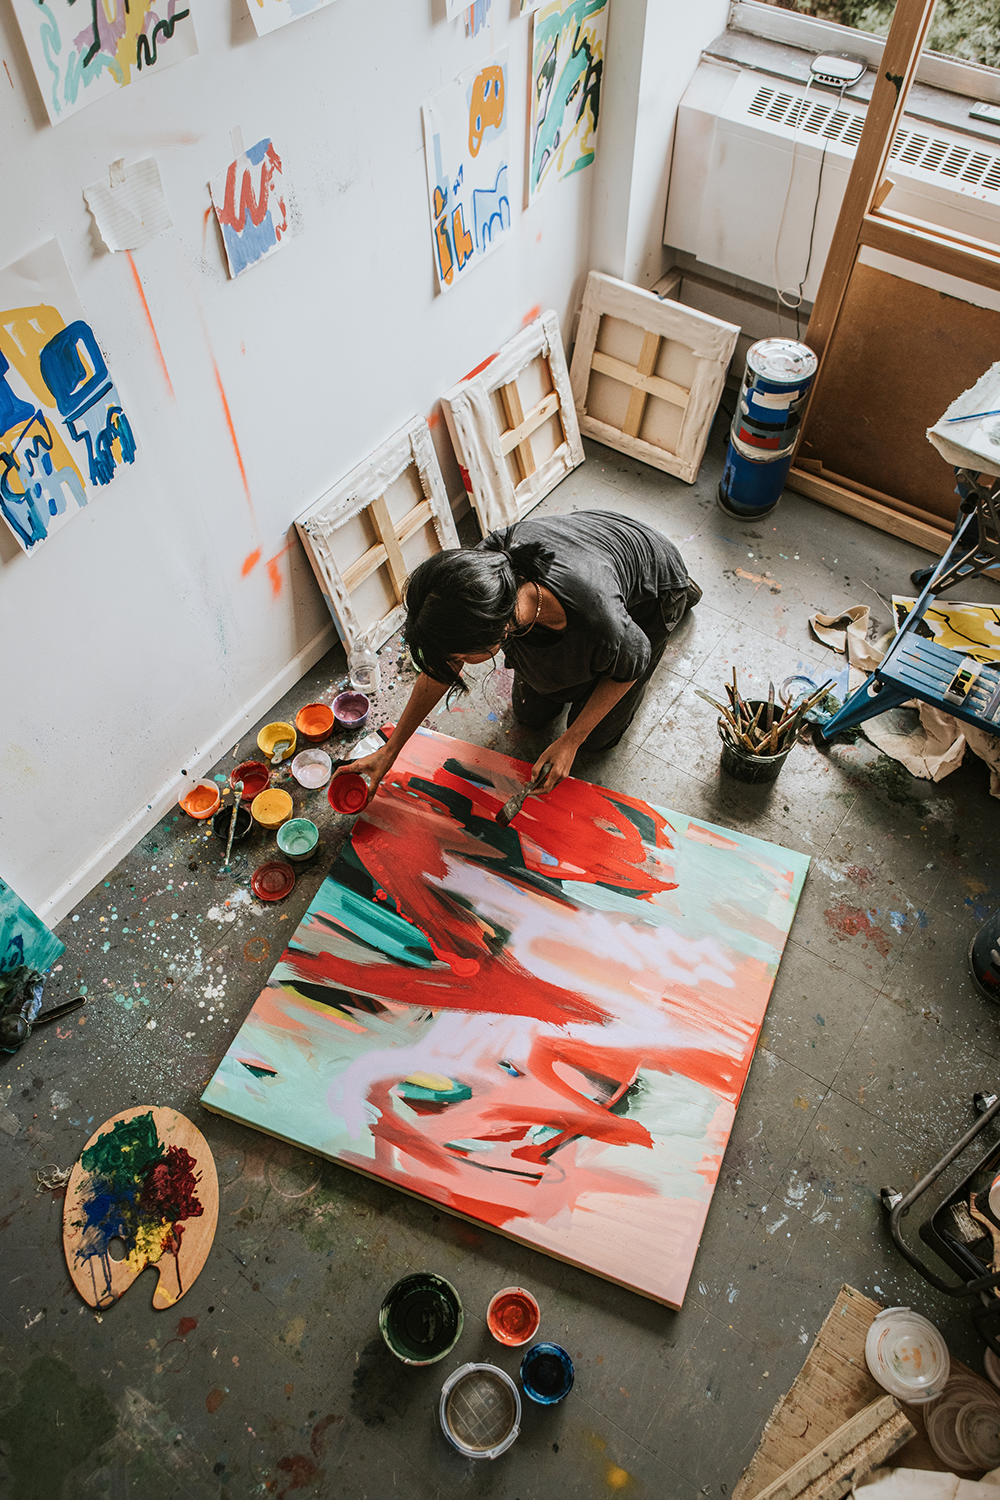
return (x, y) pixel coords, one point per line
(535, 709)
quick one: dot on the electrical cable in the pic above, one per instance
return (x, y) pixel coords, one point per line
(783, 297)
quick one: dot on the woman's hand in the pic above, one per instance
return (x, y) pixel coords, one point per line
(560, 757)
(372, 767)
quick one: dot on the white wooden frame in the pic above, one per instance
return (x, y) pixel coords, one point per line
(710, 340)
(364, 490)
(482, 447)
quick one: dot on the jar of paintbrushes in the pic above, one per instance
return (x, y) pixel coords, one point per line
(758, 734)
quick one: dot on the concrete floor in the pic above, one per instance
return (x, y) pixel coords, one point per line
(271, 1377)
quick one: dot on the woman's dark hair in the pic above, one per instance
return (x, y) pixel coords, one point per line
(463, 601)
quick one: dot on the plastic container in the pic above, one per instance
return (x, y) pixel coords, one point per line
(298, 839)
(480, 1411)
(351, 710)
(977, 1428)
(255, 776)
(314, 723)
(274, 734)
(200, 799)
(364, 670)
(743, 766)
(513, 1317)
(224, 817)
(273, 881)
(272, 808)
(348, 792)
(547, 1374)
(421, 1318)
(312, 768)
(907, 1356)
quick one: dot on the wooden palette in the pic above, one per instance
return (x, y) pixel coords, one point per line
(146, 1179)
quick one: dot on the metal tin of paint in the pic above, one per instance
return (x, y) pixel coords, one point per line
(480, 1411)
(547, 1374)
(421, 1318)
(513, 1317)
(776, 382)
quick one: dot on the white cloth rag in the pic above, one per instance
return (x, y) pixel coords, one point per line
(925, 1484)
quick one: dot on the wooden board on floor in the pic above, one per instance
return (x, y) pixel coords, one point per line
(831, 1387)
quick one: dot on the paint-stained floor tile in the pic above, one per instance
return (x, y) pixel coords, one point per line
(839, 1004)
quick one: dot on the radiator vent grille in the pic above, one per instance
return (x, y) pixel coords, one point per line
(810, 117)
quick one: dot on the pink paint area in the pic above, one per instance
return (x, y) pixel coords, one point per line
(546, 1028)
(513, 1317)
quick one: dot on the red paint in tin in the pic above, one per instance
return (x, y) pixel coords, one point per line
(513, 1316)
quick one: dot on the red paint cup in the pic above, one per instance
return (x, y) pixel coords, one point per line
(255, 776)
(513, 1316)
(348, 792)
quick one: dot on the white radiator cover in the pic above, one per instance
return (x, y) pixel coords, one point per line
(733, 156)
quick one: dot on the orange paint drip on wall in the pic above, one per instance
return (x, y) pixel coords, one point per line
(152, 325)
(531, 315)
(232, 434)
(274, 573)
(251, 562)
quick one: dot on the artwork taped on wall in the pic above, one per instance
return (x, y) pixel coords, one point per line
(249, 201)
(567, 67)
(79, 54)
(513, 425)
(648, 374)
(268, 15)
(63, 432)
(366, 535)
(465, 147)
(545, 1028)
(24, 938)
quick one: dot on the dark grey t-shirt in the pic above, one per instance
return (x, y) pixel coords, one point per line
(609, 573)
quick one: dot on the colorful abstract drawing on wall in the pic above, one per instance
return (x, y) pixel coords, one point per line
(82, 52)
(24, 938)
(545, 1028)
(268, 15)
(465, 146)
(567, 52)
(63, 432)
(250, 203)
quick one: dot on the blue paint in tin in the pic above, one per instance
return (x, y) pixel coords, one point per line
(547, 1374)
(776, 383)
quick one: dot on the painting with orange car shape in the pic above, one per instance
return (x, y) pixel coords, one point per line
(544, 1028)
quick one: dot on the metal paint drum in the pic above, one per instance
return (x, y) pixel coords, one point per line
(765, 428)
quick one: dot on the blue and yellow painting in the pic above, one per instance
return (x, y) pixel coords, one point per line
(567, 69)
(63, 430)
(465, 143)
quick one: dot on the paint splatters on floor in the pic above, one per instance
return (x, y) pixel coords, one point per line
(847, 922)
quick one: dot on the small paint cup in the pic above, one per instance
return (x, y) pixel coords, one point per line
(348, 792)
(255, 776)
(480, 1411)
(513, 1317)
(272, 808)
(311, 768)
(421, 1318)
(351, 710)
(200, 799)
(314, 723)
(298, 839)
(224, 817)
(546, 1374)
(274, 734)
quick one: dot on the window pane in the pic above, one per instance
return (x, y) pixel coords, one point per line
(965, 29)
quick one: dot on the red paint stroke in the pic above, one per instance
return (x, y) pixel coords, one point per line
(186, 1326)
(149, 320)
(232, 434)
(7, 71)
(204, 225)
(466, 479)
(479, 368)
(434, 420)
(861, 875)
(531, 314)
(851, 921)
(301, 1472)
(318, 1439)
(256, 207)
(251, 561)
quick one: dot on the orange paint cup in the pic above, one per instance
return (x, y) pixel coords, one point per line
(314, 723)
(200, 800)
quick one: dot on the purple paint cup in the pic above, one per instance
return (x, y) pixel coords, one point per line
(351, 710)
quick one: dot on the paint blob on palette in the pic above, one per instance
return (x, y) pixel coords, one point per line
(545, 1028)
(81, 53)
(144, 1192)
(466, 151)
(63, 430)
(568, 40)
(268, 15)
(249, 201)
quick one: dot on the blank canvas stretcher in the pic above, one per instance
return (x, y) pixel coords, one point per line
(544, 1028)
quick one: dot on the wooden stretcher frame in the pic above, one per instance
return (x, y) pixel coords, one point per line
(482, 447)
(364, 490)
(863, 221)
(710, 340)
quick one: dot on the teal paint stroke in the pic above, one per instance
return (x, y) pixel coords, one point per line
(24, 938)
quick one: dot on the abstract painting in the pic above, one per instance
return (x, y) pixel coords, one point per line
(63, 432)
(465, 145)
(24, 938)
(544, 1028)
(250, 204)
(567, 66)
(973, 629)
(78, 58)
(268, 15)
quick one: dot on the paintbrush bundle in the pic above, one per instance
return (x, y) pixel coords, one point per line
(759, 727)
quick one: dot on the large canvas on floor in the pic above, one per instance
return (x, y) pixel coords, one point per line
(544, 1028)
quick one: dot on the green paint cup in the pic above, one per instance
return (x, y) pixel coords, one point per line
(421, 1318)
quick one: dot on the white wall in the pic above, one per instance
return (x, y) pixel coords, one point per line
(654, 47)
(134, 644)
